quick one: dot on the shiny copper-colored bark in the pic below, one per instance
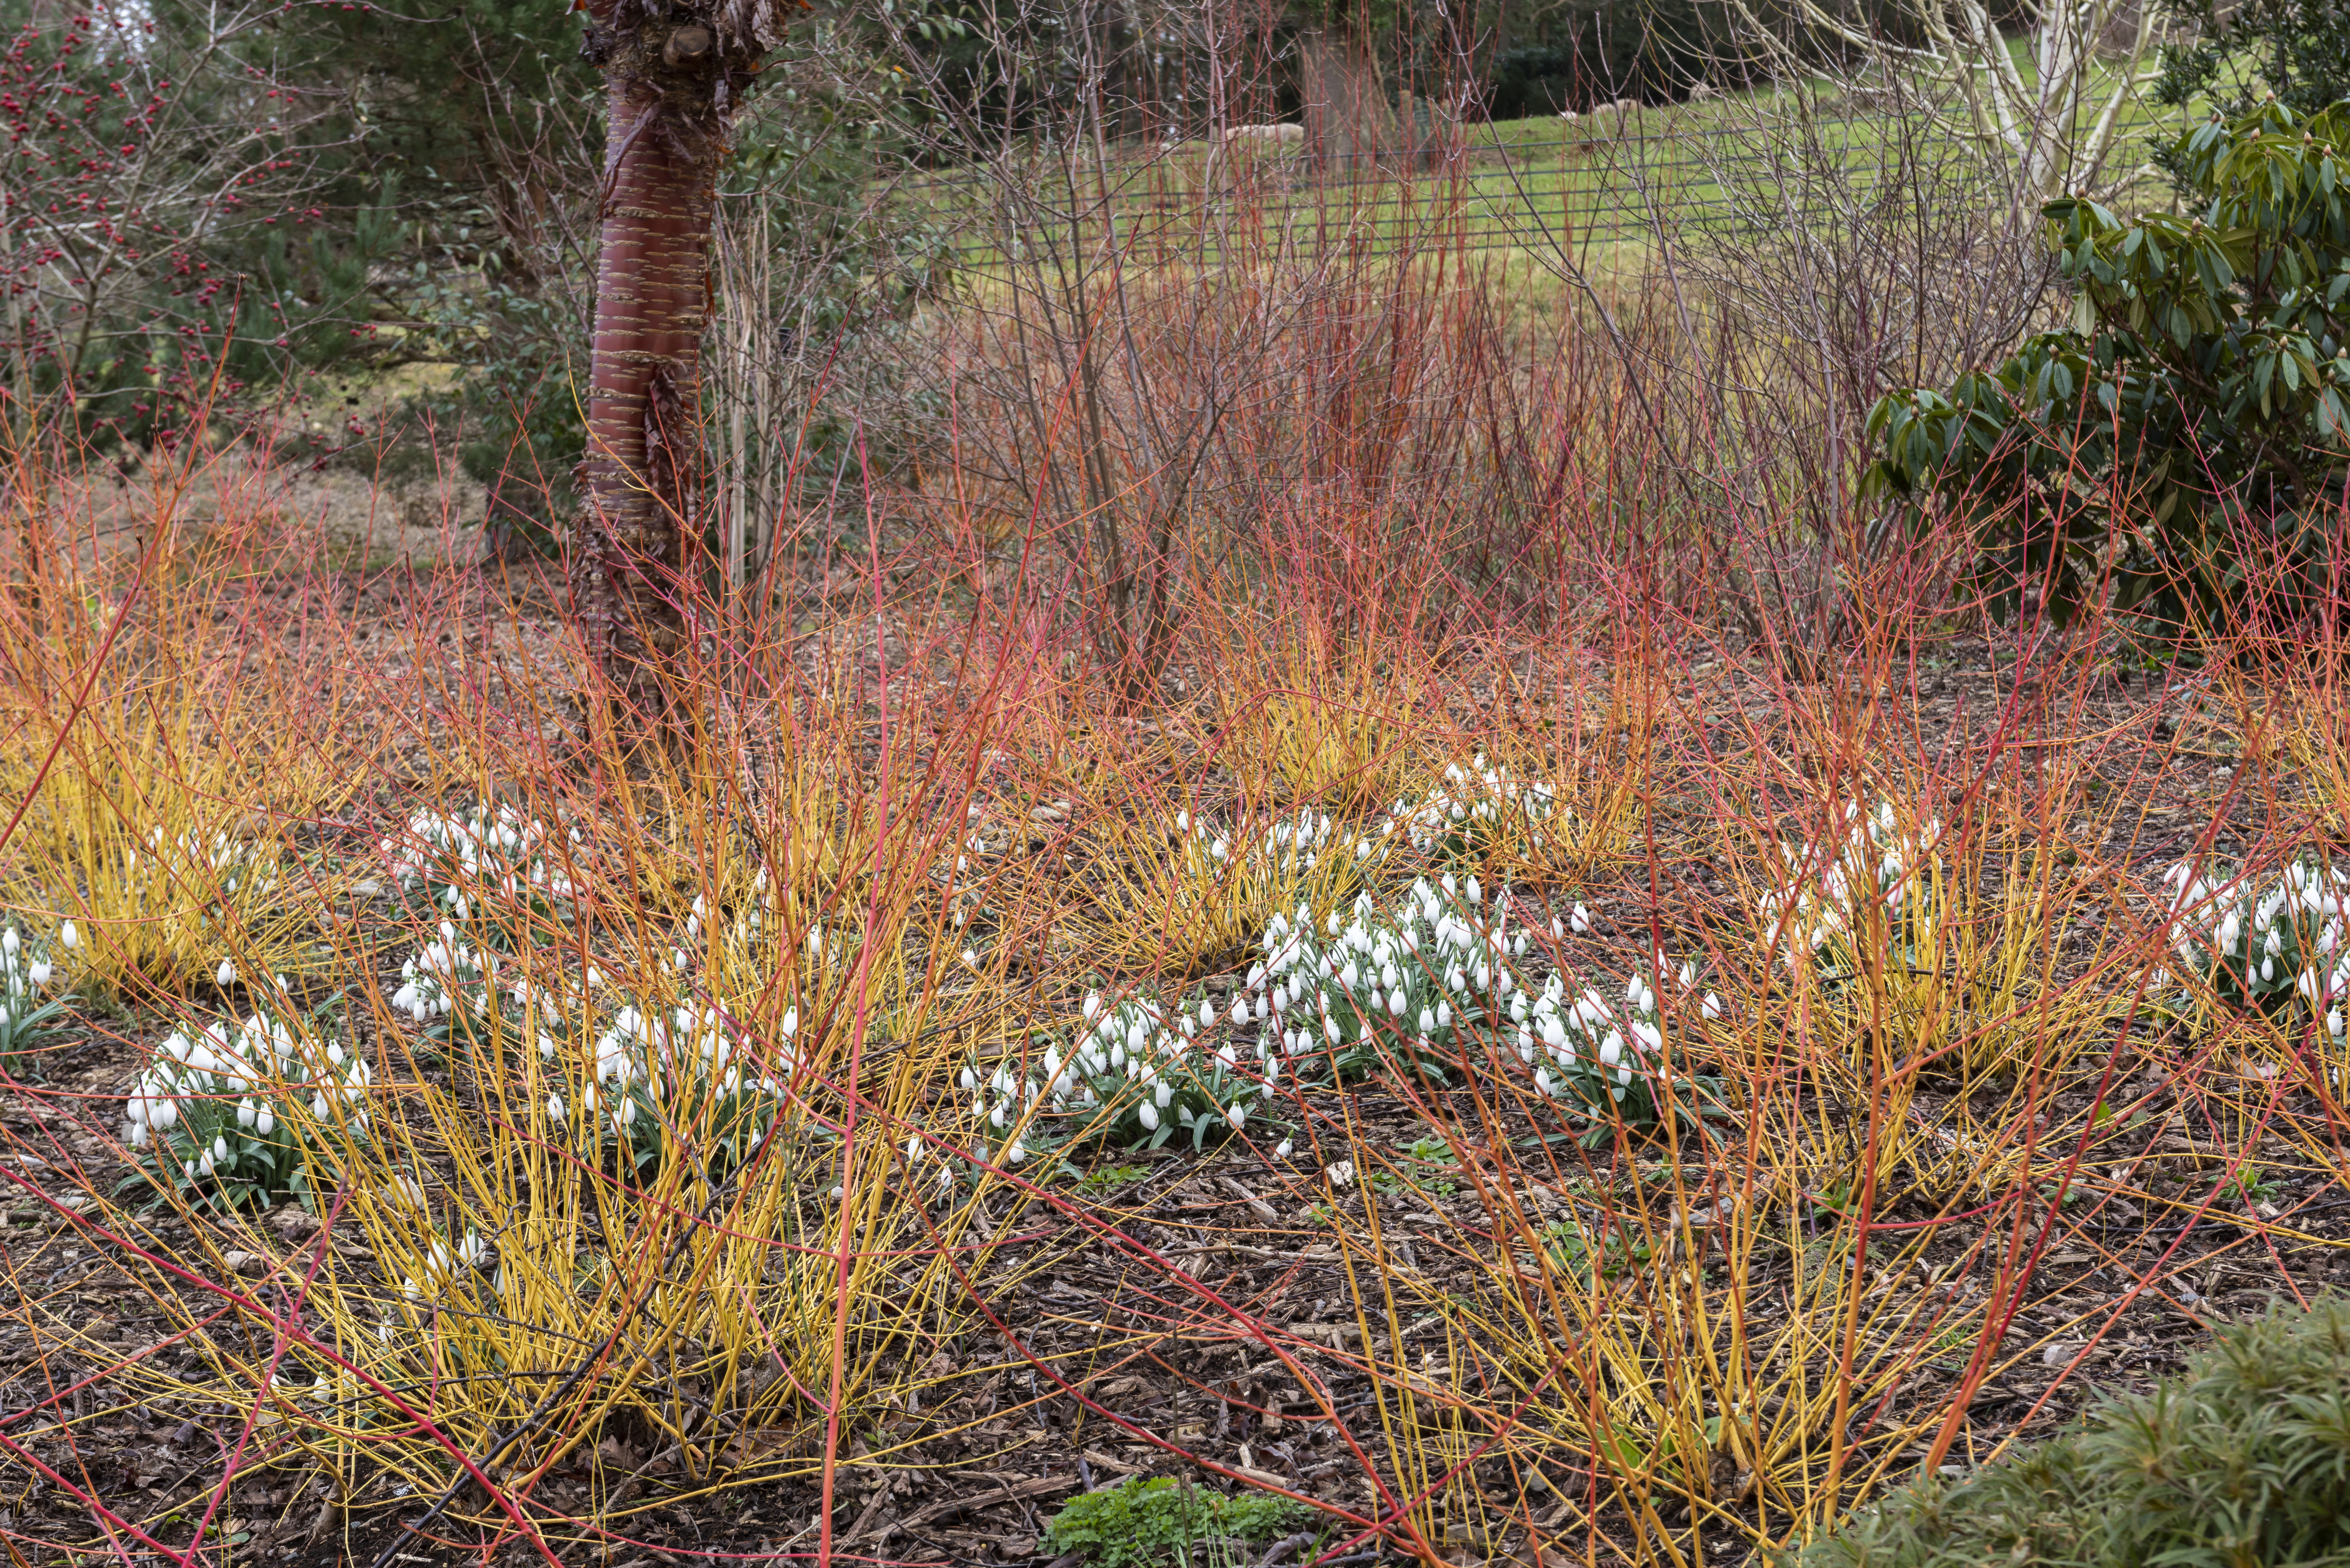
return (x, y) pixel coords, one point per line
(672, 75)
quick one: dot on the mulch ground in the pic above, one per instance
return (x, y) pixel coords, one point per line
(2158, 1252)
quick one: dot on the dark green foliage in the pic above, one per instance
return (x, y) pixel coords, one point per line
(1604, 49)
(2242, 1462)
(2188, 432)
(2298, 49)
(1141, 1523)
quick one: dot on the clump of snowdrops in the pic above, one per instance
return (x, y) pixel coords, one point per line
(1473, 810)
(1385, 985)
(498, 864)
(235, 1113)
(672, 1080)
(1137, 1077)
(2273, 952)
(634, 1076)
(29, 1010)
(1608, 1059)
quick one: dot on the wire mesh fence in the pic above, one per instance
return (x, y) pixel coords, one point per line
(1613, 178)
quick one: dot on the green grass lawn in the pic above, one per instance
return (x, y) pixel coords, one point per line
(1600, 186)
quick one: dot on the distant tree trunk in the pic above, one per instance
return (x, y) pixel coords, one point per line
(1349, 123)
(672, 78)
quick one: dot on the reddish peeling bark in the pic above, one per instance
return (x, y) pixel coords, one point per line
(672, 74)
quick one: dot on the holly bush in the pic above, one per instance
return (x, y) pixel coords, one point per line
(2186, 432)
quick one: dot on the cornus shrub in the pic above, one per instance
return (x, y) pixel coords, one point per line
(2273, 951)
(233, 1114)
(1861, 884)
(2239, 1461)
(2185, 433)
(1386, 986)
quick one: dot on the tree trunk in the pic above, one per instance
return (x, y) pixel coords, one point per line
(673, 76)
(1350, 124)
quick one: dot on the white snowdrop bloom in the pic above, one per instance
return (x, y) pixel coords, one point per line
(1281, 1150)
(1427, 1020)
(1236, 1114)
(1580, 920)
(554, 1107)
(246, 1114)
(2268, 969)
(220, 1150)
(69, 934)
(225, 976)
(2334, 1022)
(1149, 1115)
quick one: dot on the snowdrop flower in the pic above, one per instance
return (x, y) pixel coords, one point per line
(69, 934)
(225, 976)
(1580, 920)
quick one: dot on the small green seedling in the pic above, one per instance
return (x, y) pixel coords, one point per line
(1140, 1523)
